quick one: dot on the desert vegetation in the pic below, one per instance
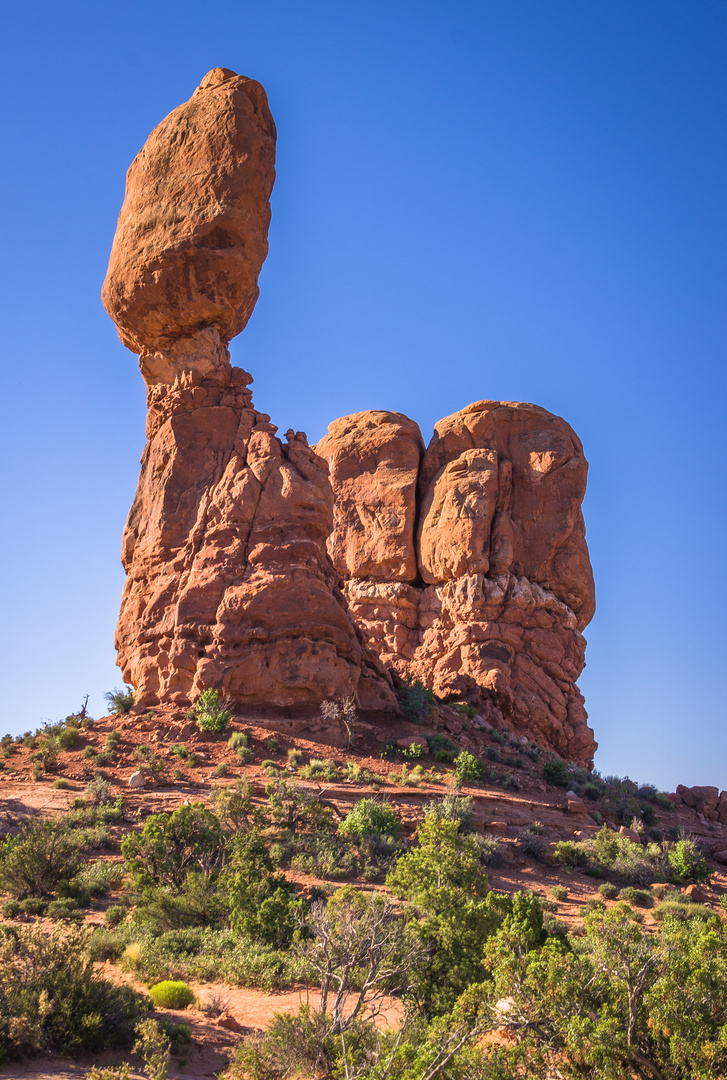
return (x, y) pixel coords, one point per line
(489, 983)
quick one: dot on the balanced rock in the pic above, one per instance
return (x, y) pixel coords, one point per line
(486, 602)
(229, 583)
(192, 234)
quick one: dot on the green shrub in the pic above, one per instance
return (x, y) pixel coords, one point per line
(69, 738)
(533, 845)
(371, 818)
(456, 807)
(115, 915)
(559, 892)
(89, 751)
(171, 995)
(416, 701)
(688, 862)
(556, 773)
(489, 849)
(154, 1045)
(681, 910)
(99, 877)
(569, 853)
(221, 769)
(608, 890)
(99, 790)
(61, 783)
(467, 767)
(120, 701)
(319, 770)
(413, 752)
(210, 713)
(64, 908)
(10, 909)
(32, 863)
(33, 905)
(53, 1000)
(170, 846)
(238, 739)
(639, 897)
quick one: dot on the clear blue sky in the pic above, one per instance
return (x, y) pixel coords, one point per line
(518, 199)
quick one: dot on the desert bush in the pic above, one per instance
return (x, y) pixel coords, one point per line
(371, 818)
(115, 915)
(639, 897)
(10, 909)
(120, 701)
(69, 738)
(53, 1000)
(221, 769)
(294, 808)
(211, 714)
(99, 877)
(608, 890)
(559, 892)
(170, 846)
(150, 764)
(556, 773)
(112, 1072)
(64, 908)
(232, 803)
(509, 782)
(33, 863)
(33, 905)
(154, 1046)
(99, 790)
(571, 854)
(489, 850)
(416, 701)
(341, 712)
(688, 862)
(61, 783)
(262, 903)
(533, 845)
(171, 995)
(238, 739)
(204, 954)
(319, 770)
(456, 807)
(467, 767)
(682, 911)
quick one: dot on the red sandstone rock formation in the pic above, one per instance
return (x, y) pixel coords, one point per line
(487, 603)
(465, 565)
(192, 234)
(229, 583)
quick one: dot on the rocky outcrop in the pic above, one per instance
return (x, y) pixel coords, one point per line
(229, 584)
(465, 563)
(485, 599)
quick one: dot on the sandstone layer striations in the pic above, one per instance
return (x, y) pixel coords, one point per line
(466, 565)
(229, 583)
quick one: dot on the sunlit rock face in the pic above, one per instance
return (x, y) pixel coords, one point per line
(229, 583)
(466, 564)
